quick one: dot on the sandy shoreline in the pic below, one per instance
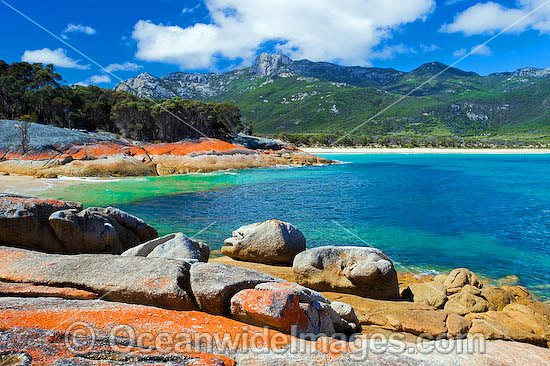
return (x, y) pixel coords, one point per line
(338, 150)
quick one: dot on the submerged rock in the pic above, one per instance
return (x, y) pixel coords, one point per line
(174, 246)
(270, 242)
(357, 270)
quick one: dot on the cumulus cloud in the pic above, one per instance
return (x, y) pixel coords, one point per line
(481, 50)
(318, 30)
(127, 66)
(77, 28)
(100, 79)
(490, 18)
(460, 52)
(390, 52)
(56, 57)
(430, 48)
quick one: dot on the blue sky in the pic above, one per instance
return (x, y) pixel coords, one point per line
(163, 36)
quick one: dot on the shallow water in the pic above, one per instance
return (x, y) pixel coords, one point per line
(490, 213)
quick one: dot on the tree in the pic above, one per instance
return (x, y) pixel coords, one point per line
(23, 127)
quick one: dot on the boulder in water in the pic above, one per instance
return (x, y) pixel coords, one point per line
(270, 242)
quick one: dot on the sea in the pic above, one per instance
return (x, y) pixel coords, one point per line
(429, 212)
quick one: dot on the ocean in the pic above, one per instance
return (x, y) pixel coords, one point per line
(429, 212)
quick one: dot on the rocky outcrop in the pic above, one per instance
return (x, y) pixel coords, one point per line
(147, 281)
(428, 293)
(363, 271)
(213, 285)
(80, 154)
(24, 222)
(30, 329)
(61, 227)
(467, 301)
(271, 242)
(459, 278)
(173, 246)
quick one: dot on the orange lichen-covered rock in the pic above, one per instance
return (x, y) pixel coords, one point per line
(275, 309)
(202, 145)
(27, 289)
(150, 281)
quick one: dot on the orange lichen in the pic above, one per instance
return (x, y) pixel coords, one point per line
(188, 147)
(27, 289)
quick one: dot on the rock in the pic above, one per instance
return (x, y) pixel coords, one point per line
(459, 278)
(440, 278)
(498, 325)
(531, 317)
(305, 294)
(510, 280)
(457, 326)
(519, 293)
(497, 297)
(148, 281)
(28, 290)
(91, 231)
(136, 225)
(276, 309)
(270, 242)
(24, 222)
(429, 293)
(347, 313)
(468, 300)
(173, 246)
(363, 271)
(213, 285)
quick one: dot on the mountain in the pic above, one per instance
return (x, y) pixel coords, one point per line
(280, 95)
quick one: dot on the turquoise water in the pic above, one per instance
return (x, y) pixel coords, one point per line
(489, 213)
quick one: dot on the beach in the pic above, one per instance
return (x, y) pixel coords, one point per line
(368, 150)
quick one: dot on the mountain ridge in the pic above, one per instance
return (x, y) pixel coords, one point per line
(279, 95)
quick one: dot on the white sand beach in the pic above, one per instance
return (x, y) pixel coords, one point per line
(360, 150)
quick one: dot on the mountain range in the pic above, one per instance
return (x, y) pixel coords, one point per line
(279, 95)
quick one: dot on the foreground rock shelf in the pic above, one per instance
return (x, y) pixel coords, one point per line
(168, 286)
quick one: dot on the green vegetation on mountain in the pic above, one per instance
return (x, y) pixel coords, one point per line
(316, 103)
(32, 92)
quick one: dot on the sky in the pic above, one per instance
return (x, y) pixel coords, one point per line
(102, 42)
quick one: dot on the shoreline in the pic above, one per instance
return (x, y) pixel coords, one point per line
(370, 150)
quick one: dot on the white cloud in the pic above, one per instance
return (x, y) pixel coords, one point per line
(315, 29)
(389, 52)
(56, 57)
(430, 48)
(490, 18)
(460, 52)
(127, 66)
(79, 28)
(81, 83)
(191, 10)
(100, 79)
(481, 50)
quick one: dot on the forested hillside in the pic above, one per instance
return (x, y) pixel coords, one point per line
(32, 92)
